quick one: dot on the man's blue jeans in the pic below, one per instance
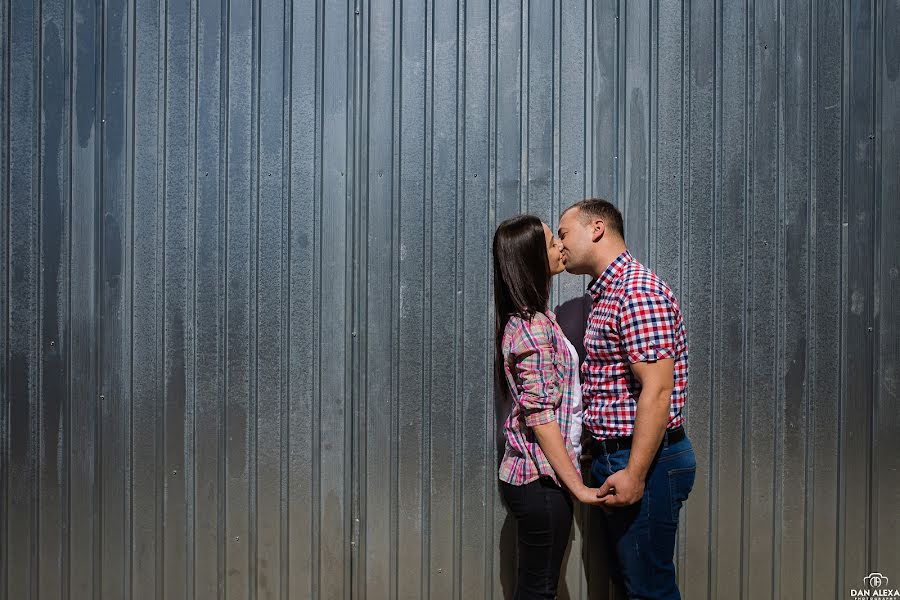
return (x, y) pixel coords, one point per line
(643, 535)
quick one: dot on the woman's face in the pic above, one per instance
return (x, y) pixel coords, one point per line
(554, 252)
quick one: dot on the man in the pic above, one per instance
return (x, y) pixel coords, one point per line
(634, 380)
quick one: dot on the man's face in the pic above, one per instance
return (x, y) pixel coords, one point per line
(577, 241)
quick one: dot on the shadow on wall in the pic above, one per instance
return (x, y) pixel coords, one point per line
(589, 522)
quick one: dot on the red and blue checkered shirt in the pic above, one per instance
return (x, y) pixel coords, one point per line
(542, 377)
(634, 318)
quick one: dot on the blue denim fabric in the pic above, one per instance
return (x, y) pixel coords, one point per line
(643, 534)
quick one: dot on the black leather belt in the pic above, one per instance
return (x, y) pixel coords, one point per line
(600, 448)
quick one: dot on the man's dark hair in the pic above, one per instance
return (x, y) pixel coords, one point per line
(598, 208)
(521, 269)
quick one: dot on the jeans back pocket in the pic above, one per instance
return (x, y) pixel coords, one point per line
(681, 481)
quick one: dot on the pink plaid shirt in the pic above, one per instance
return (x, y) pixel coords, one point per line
(542, 376)
(634, 318)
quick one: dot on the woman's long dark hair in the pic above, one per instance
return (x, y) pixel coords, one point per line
(521, 271)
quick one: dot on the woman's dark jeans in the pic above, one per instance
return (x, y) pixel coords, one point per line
(543, 513)
(644, 534)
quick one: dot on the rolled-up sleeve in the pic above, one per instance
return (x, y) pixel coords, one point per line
(648, 325)
(531, 355)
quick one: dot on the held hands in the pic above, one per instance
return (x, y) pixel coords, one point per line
(622, 488)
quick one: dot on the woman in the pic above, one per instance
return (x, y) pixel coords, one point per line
(539, 469)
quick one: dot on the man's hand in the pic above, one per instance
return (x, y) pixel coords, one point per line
(622, 488)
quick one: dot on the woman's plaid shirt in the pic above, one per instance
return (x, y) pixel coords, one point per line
(542, 377)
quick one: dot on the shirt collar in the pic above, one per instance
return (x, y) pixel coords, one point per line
(612, 272)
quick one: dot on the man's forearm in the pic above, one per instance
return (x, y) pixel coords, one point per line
(649, 426)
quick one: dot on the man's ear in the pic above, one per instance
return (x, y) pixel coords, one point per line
(598, 229)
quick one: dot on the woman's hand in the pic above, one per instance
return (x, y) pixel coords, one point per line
(588, 495)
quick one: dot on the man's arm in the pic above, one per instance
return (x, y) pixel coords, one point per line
(657, 382)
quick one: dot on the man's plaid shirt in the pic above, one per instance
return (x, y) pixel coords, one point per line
(634, 318)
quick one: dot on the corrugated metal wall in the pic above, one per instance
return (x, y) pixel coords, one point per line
(246, 289)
